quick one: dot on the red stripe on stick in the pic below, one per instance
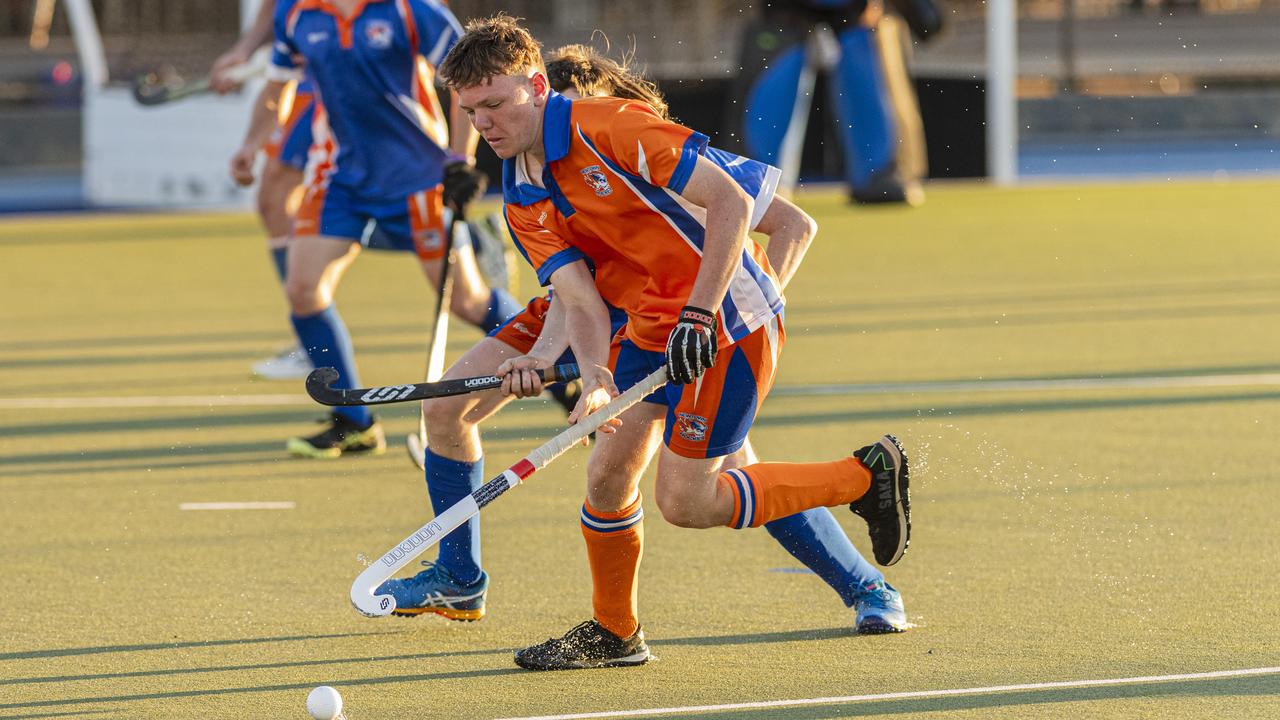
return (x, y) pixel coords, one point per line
(523, 469)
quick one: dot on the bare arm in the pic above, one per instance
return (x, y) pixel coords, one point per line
(258, 33)
(463, 137)
(585, 320)
(520, 378)
(262, 122)
(790, 232)
(554, 339)
(728, 214)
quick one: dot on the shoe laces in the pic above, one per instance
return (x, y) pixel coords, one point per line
(582, 635)
(877, 594)
(435, 571)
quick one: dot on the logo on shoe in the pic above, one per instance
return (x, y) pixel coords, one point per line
(886, 498)
(388, 393)
(691, 427)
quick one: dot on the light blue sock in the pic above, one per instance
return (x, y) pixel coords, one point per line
(449, 481)
(325, 339)
(815, 538)
(280, 257)
(501, 306)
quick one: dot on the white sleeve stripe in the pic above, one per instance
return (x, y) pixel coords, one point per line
(276, 73)
(764, 198)
(643, 164)
(436, 56)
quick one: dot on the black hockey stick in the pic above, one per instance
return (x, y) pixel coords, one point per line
(157, 88)
(320, 379)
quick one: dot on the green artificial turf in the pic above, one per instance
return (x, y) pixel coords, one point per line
(1063, 533)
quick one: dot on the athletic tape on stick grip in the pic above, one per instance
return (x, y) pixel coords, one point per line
(411, 547)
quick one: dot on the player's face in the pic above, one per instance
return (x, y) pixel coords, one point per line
(507, 111)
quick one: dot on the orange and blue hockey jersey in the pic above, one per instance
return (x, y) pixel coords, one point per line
(374, 75)
(610, 195)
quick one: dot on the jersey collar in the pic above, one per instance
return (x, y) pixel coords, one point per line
(555, 145)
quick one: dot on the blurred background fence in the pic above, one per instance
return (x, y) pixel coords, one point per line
(1098, 80)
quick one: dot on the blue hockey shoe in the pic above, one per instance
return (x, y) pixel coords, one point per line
(435, 591)
(880, 609)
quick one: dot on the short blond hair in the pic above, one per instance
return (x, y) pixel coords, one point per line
(491, 47)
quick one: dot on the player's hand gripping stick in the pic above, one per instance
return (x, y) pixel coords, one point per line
(320, 380)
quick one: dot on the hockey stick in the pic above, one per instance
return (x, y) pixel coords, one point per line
(153, 88)
(320, 380)
(416, 443)
(410, 548)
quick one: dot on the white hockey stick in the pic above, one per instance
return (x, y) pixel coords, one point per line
(424, 537)
(458, 233)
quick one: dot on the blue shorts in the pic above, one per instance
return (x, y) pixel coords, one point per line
(709, 418)
(415, 223)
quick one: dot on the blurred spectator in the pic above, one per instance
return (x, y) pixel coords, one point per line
(880, 130)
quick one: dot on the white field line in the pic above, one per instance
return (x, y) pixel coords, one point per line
(284, 505)
(148, 401)
(909, 695)
(958, 386)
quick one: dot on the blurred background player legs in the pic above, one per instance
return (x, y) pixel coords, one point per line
(279, 192)
(279, 188)
(330, 229)
(385, 162)
(880, 130)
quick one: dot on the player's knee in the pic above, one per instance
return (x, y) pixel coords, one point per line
(682, 509)
(303, 294)
(446, 417)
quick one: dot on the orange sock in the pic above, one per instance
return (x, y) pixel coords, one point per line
(768, 491)
(615, 542)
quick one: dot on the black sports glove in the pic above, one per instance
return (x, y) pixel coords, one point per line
(691, 347)
(463, 184)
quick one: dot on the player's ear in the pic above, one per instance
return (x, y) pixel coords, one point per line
(541, 87)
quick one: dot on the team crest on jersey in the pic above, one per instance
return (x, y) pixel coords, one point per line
(691, 427)
(598, 181)
(378, 34)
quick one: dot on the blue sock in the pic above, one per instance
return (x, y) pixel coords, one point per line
(815, 538)
(324, 337)
(280, 256)
(449, 481)
(501, 306)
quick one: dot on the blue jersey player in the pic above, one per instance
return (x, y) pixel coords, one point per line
(384, 162)
(280, 128)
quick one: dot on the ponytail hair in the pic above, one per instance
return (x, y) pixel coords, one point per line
(587, 71)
